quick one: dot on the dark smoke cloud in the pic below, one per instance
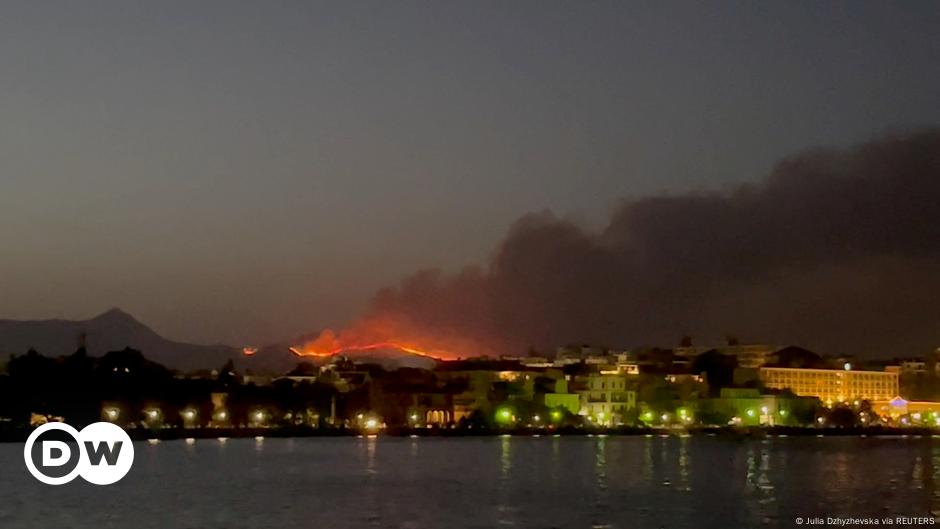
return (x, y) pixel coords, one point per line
(836, 250)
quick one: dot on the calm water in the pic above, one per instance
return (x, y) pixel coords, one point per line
(571, 482)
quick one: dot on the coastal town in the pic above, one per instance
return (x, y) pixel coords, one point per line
(576, 389)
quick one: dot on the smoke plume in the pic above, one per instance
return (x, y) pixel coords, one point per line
(836, 250)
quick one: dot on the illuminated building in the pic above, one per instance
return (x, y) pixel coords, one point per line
(832, 385)
(927, 412)
(605, 398)
(748, 407)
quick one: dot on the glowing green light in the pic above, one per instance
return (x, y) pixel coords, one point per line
(504, 415)
(783, 413)
(647, 416)
(556, 415)
(750, 413)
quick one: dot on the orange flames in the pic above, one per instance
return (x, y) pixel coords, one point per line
(364, 347)
(387, 333)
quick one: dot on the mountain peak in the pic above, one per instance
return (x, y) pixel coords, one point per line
(112, 330)
(118, 319)
(115, 314)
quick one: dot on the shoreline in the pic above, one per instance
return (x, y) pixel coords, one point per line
(172, 434)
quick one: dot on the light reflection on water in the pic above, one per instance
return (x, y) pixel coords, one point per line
(544, 482)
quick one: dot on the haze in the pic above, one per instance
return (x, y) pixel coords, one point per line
(246, 172)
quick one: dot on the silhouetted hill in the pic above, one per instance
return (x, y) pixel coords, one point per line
(110, 331)
(793, 356)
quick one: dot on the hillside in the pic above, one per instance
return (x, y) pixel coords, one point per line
(109, 331)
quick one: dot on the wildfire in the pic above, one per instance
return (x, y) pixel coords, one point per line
(368, 347)
(389, 332)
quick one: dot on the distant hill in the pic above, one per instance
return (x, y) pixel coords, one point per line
(110, 331)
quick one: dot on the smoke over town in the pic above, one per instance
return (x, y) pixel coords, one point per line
(836, 250)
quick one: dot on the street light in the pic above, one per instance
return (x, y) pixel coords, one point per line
(504, 415)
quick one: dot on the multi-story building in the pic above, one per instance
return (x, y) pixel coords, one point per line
(832, 385)
(605, 398)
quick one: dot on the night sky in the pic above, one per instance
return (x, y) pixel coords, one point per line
(243, 172)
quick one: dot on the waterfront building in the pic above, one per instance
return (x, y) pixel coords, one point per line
(926, 412)
(605, 398)
(748, 407)
(562, 398)
(833, 385)
(481, 379)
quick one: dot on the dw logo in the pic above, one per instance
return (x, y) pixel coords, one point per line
(102, 453)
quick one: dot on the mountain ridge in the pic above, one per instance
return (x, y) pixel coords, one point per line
(116, 329)
(111, 330)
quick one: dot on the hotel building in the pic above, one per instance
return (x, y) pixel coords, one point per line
(833, 385)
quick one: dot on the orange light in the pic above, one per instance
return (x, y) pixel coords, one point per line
(369, 347)
(391, 332)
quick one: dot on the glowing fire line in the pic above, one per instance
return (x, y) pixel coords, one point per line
(367, 347)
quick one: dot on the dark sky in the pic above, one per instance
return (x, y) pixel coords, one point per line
(244, 172)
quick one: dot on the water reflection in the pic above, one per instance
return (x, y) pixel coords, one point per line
(600, 462)
(505, 457)
(758, 482)
(506, 509)
(933, 478)
(621, 482)
(684, 483)
(371, 444)
(556, 467)
(646, 469)
(373, 494)
(601, 504)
